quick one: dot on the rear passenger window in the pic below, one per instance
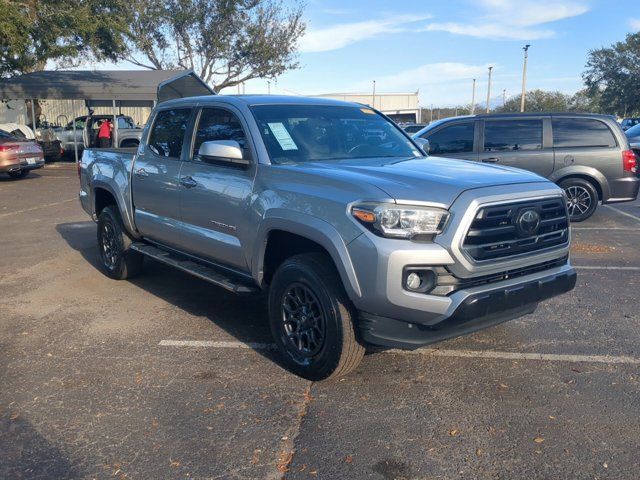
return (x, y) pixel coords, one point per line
(512, 135)
(452, 139)
(218, 124)
(167, 134)
(581, 132)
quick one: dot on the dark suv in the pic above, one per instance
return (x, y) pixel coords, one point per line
(588, 155)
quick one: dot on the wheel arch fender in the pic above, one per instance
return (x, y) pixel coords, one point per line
(125, 213)
(587, 173)
(313, 229)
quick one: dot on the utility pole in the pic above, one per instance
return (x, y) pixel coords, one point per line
(373, 97)
(431, 114)
(269, 87)
(473, 97)
(524, 77)
(489, 90)
(504, 96)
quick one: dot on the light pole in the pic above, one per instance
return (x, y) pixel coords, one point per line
(473, 97)
(269, 87)
(504, 96)
(431, 114)
(524, 77)
(489, 90)
(373, 97)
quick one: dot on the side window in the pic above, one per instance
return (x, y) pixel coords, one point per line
(125, 123)
(581, 132)
(512, 135)
(218, 124)
(453, 139)
(167, 134)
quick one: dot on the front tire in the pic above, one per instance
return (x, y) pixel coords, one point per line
(582, 198)
(117, 260)
(312, 319)
(19, 174)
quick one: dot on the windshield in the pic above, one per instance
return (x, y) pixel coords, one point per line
(633, 131)
(307, 133)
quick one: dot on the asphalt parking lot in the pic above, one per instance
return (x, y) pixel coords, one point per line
(167, 376)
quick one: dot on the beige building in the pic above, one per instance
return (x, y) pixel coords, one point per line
(401, 107)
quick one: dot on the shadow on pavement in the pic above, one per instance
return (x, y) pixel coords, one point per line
(27, 454)
(243, 317)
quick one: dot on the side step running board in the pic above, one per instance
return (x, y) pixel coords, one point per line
(217, 277)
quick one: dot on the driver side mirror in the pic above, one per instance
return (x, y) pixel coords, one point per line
(222, 152)
(423, 143)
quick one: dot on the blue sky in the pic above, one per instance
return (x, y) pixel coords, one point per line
(438, 47)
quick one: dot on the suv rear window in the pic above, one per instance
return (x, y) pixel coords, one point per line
(456, 138)
(508, 135)
(167, 136)
(581, 132)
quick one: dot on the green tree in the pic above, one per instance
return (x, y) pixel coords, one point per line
(538, 101)
(613, 75)
(34, 33)
(226, 42)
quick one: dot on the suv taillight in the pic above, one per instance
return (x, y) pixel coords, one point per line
(629, 162)
(9, 147)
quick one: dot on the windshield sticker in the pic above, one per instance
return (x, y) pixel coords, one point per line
(367, 110)
(282, 136)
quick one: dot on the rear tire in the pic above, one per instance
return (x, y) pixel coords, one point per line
(19, 174)
(312, 319)
(582, 198)
(117, 259)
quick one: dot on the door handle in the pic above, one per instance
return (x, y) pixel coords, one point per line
(141, 172)
(490, 160)
(188, 182)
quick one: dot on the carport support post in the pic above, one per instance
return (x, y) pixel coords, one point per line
(115, 125)
(75, 139)
(33, 116)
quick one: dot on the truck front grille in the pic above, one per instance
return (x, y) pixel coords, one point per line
(505, 230)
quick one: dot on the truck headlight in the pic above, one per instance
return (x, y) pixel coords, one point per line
(401, 221)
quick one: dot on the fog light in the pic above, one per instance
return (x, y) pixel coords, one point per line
(413, 281)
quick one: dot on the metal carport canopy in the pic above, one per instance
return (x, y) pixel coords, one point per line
(135, 88)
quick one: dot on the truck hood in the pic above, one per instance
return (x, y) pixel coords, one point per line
(439, 180)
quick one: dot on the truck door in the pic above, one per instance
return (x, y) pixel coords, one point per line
(155, 176)
(520, 143)
(214, 196)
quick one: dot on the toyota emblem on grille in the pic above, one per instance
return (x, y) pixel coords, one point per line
(528, 222)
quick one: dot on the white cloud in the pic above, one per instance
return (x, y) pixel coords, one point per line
(509, 20)
(440, 83)
(338, 36)
(635, 23)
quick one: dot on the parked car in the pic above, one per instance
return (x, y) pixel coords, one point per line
(633, 135)
(19, 156)
(412, 127)
(86, 134)
(587, 155)
(627, 123)
(358, 241)
(44, 136)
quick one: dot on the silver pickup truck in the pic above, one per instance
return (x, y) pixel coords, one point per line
(358, 238)
(127, 133)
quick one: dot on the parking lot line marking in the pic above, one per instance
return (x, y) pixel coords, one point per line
(217, 344)
(623, 229)
(588, 267)
(17, 212)
(548, 357)
(622, 213)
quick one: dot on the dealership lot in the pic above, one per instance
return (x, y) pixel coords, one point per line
(166, 376)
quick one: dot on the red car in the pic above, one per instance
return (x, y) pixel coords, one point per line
(18, 156)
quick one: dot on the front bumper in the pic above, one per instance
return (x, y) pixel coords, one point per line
(479, 309)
